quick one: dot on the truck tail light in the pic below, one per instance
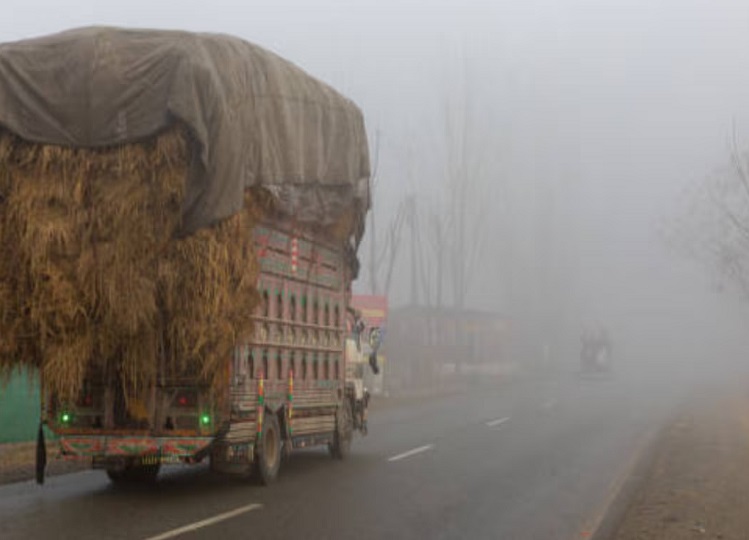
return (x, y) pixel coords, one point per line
(186, 399)
(86, 400)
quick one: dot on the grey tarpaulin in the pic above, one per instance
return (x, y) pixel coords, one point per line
(258, 119)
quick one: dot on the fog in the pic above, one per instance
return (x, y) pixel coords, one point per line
(583, 122)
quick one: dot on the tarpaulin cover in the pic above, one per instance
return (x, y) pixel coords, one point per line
(258, 119)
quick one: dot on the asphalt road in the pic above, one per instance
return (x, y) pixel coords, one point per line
(535, 459)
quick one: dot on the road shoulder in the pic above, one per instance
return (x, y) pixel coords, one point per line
(17, 462)
(696, 484)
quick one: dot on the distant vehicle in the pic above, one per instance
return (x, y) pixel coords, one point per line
(595, 353)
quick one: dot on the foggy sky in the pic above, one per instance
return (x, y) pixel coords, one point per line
(597, 115)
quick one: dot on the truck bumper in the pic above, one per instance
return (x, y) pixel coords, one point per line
(100, 447)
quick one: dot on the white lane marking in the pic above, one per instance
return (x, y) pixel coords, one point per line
(498, 421)
(413, 452)
(206, 522)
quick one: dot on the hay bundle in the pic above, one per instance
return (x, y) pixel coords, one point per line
(92, 277)
(219, 269)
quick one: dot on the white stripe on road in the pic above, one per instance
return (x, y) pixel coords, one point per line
(413, 452)
(498, 421)
(206, 522)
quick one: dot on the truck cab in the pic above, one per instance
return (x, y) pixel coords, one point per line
(356, 368)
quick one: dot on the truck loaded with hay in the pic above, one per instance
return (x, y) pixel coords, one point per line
(179, 220)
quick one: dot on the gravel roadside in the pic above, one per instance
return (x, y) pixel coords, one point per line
(698, 483)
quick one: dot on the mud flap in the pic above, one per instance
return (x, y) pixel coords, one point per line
(41, 455)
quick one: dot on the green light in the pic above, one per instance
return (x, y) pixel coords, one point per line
(65, 417)
(205, 419)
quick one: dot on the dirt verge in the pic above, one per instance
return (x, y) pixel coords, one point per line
(17, 462)
(698, 483)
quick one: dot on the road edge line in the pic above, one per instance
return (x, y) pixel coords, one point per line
(625, 487)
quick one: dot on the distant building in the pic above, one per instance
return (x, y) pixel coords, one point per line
(425, 345)
(373, 309)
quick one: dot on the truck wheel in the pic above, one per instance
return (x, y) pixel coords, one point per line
(268, 451)
(344, 432)
(134, 474)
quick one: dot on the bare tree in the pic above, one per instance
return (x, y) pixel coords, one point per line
(714, 223)
(393, 244)
(443, 235)
(374, 261)
(438, 243)
(469, 165)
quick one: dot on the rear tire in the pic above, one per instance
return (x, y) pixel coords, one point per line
(134, 474)
(344, 432)
(268, 451)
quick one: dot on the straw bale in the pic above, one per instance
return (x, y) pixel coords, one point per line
(219, 266)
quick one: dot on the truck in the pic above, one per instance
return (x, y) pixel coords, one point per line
(253, 120)
(287, 386)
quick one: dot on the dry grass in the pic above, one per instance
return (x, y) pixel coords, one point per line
(92, 275)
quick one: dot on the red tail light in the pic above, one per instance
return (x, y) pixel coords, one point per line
(186, 399)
